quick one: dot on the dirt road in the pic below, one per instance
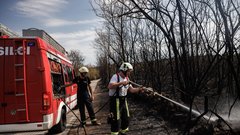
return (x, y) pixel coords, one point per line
(143, 122)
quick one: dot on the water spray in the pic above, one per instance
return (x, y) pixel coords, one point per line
(194, 112)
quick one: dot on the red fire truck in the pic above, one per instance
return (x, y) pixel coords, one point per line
(35, 85)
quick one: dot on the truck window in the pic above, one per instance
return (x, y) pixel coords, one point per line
(57, 77)
(65, 72)
(70, 74)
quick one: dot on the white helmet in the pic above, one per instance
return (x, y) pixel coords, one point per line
(83, 70)
(126, 66)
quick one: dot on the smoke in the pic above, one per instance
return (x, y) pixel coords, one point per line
(228, 111)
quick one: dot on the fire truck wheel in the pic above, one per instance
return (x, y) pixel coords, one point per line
(61, 126)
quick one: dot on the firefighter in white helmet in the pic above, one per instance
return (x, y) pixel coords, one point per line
(85, 96)
(118, 88)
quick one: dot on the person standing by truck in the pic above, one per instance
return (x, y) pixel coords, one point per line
(85, 96)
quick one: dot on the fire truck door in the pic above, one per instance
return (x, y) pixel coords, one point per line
(2, 103)
(9, 84)
(14, 108)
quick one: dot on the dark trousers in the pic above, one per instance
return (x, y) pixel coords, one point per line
(82, 102)
(119, 109)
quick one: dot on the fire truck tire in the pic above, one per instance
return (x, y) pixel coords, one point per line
(61, 126)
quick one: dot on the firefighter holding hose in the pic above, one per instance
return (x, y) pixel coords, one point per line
(118, 87)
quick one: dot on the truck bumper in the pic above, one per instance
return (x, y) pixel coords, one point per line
(45, 125)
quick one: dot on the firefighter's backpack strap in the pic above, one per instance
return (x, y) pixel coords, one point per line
(117, 89)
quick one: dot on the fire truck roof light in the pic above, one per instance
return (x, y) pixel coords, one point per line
(31, 44)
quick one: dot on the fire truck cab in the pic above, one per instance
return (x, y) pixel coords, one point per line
(35, 85)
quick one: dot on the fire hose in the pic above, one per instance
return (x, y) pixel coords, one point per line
(194, 112)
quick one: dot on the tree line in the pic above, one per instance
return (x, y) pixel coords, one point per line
(78, 61)
(180, 46)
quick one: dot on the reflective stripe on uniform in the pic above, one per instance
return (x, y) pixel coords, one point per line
(94, 120)
(126, 103)
(124, 130)
(117, 108)
(114, 133)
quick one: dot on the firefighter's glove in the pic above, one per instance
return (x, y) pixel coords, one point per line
(124, 83)
(141, 89)
(148, 90)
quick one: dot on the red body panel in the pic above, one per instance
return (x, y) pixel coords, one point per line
(25, 75)
(2, 85)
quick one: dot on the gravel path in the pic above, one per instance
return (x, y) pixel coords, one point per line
(142, 121)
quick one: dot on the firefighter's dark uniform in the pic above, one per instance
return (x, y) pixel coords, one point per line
(83, 98)
(119, 106)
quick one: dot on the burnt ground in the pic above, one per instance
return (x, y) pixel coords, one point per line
(150, 115)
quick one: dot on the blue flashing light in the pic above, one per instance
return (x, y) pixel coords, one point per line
(31, 44)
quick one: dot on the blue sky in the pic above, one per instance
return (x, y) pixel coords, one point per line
(71, 22)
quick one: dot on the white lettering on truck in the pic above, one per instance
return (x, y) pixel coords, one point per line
(10, 51)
